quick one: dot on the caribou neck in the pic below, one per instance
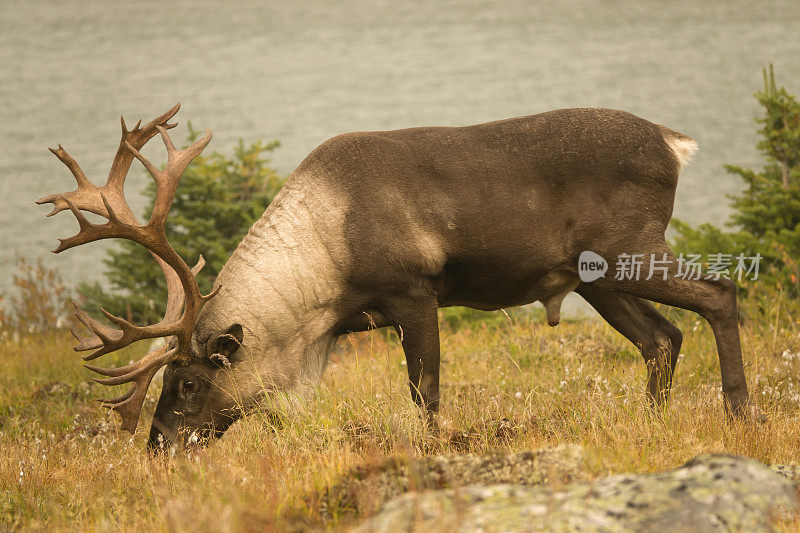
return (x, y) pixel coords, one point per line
(286, 275)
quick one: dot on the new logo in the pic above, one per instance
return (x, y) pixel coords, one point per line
(591, 266)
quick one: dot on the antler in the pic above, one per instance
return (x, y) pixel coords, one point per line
(184, 299)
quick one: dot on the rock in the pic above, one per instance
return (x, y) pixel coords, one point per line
(709, 493)
(364, 490)
(791, 471)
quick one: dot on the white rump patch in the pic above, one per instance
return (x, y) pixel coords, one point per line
(683, 148)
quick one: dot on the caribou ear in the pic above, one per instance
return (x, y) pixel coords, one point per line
(226, 345)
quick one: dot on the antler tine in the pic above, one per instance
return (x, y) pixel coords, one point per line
(137, 137)
(106, 339)
(140, 373)
(71, 164)
(175, 298)
(167, 179)
(103, 339)
(129, 405)
(128, 373)
(90, 232)
(85, 195)
(86, 343)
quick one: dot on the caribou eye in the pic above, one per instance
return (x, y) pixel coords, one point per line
(188, 387)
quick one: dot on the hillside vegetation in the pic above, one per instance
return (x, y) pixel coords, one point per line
(509, 384)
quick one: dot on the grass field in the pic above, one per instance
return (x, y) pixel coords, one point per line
(509, 384)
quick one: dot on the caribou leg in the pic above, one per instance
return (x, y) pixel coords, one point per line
(637, 320)
(415, 320)
(714, 300)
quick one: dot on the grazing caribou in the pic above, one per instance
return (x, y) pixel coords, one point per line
(382, 228)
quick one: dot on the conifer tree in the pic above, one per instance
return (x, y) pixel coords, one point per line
(766, 215)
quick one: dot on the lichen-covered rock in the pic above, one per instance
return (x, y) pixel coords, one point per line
(710, 493)
(365, 489)
(791, 471)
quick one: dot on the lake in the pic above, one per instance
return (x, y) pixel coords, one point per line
(304, 71)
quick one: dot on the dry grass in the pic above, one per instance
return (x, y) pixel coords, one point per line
(63, 465)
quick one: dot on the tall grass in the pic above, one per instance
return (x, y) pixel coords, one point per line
(509, 384)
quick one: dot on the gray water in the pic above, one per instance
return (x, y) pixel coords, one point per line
(304, 71)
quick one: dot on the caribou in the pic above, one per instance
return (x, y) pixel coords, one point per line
(380, 229)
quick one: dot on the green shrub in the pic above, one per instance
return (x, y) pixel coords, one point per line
(39, 303)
